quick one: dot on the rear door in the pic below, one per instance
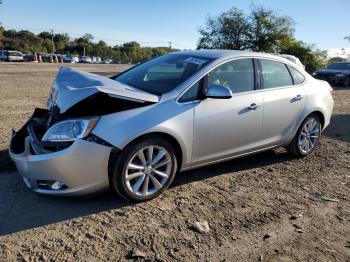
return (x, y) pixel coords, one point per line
(284, 100)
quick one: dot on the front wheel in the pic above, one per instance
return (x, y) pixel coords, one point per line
(145, 169)
(307, 137)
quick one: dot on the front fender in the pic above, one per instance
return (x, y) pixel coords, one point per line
(168, 117)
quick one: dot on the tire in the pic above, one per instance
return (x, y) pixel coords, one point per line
(127, 173)
(312, 135)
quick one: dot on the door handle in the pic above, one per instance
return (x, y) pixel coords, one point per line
(298, 98)
(253, 106)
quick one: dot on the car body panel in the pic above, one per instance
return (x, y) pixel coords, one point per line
(72, 86)
(282, 104)
(167, 117)
(70, 166)
(227, 126)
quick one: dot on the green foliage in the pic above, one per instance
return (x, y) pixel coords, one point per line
(227, 31)
(335, 59)
(268, 30)
(260, 30)
(130, 52)
(309, 55)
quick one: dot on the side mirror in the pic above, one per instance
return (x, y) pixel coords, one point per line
(219, 92)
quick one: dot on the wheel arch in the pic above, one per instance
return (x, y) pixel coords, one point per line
(115, 153)
(317, 112)
(320, 116)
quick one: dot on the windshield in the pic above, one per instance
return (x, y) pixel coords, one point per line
(162, 74)
(339, 66)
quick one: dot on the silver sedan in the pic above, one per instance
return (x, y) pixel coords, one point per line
(133, 132)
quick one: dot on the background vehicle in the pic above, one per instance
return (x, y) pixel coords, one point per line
(336, 74)
(30, 57)
(292, 58)
(85, 59)
(13, 56)
(3, 55)
(96, 60)
(176, 112)
(70, 59)
(107, 61)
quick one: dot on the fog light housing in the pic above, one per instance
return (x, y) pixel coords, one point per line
(51, 185)
(57, 185)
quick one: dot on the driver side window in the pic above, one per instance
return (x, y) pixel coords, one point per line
(238, 75)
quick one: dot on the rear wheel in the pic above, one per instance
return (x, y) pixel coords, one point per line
(307, 137)
(145, 169)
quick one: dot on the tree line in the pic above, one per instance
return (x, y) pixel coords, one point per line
(47, 42)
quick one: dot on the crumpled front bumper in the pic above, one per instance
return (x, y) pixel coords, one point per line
(82, 167)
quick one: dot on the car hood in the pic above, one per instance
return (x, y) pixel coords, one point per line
(72, 86)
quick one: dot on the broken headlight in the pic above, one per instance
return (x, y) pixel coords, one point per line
(69, 130)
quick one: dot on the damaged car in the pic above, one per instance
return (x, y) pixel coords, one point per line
(133, 132)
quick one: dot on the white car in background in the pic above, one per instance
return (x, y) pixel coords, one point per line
(70, 59)
(11, 56)
(293, 59)
(85, 59)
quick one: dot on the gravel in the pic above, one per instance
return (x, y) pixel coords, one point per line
(242, 200)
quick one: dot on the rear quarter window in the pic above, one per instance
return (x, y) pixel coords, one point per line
(298, 77)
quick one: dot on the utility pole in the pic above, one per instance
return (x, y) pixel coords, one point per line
(53, 43)
(84, 49)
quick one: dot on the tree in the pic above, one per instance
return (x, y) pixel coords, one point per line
(268, 30)
(60, 41)
(261, 30)
(347, 38)
(309, 55)
(335, 59)
(228, 31)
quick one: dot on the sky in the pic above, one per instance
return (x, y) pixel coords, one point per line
(156, 22)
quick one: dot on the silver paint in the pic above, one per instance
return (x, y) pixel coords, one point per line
(207, 131)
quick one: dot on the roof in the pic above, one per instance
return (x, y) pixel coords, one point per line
(222, 53)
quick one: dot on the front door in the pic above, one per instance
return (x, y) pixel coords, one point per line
(226, 127)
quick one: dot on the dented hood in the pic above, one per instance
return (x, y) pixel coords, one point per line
(72, 86)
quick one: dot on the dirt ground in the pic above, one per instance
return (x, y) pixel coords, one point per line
(267, 207)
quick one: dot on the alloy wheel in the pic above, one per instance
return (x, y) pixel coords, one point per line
(148, 170)
(309, 136)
